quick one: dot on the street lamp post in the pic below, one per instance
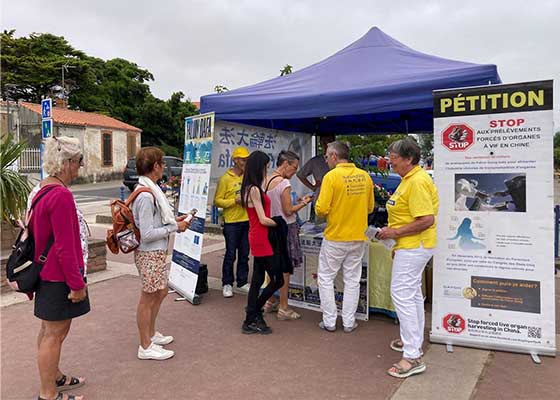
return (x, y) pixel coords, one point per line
(65, 68)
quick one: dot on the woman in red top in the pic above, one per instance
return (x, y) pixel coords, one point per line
(257, 204)
(61, 294)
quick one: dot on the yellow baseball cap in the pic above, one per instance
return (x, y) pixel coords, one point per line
(240, 152)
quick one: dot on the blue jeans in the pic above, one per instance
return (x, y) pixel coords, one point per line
(237, 244)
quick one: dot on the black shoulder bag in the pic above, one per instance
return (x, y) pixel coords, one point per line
(21, 270)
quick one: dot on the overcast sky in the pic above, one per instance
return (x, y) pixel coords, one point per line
(194, 45)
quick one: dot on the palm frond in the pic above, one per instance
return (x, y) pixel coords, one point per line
(14, 187)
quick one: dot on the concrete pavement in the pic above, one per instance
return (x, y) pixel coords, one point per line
(214, 360)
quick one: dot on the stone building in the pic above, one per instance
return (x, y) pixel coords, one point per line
(107, 143)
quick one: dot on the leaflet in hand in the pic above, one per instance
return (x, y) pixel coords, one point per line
(371, 233)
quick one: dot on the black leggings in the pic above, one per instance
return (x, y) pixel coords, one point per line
(255, 302)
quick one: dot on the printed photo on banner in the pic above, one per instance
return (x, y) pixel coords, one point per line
(491, 192)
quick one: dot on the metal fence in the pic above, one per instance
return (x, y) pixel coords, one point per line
(30, 160)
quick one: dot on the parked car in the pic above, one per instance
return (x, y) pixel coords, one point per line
(389, 182)
(173, 167)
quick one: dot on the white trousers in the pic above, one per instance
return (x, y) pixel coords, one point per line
(334, 255)
(406, 292)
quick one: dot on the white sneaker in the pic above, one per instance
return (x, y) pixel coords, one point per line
(245, 288)
(154, 352)
(227, 291)
(161, 340)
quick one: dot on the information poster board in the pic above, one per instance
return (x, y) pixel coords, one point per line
(494, 263)
(229, 135)
(304, 292)
(197, 162)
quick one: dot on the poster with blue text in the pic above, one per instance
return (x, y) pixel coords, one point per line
(197, 162)
(494, 262)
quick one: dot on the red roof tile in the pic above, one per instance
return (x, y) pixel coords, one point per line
(69, 117)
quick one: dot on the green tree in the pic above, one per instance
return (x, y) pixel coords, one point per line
(220, 89)
(117, 87)
(426, 142)
(287, 70)
(33, 64)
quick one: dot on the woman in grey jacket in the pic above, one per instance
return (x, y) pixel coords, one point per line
(155, 219)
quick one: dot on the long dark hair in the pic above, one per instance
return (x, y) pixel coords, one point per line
(254, 174)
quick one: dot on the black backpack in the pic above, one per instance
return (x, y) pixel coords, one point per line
(22, 272)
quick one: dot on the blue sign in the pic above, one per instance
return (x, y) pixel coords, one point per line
(46, 108)
(46, 128)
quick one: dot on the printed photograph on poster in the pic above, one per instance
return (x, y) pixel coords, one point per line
(311, 288)
(297, 283)
(194, 189)
(190, 243)
(504, 294)
(468, 235)
(491, 192)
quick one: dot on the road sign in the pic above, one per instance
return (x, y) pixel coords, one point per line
(46, 128)
(46, 108)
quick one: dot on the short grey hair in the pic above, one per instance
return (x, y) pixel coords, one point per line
(57, 151)
(286, 155)
(342, 151)
(406, 148)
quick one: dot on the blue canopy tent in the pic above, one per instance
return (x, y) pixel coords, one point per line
(375, 85)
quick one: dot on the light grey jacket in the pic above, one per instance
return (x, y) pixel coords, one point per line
(147, 217)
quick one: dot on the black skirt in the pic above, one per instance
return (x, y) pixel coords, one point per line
(52, 304)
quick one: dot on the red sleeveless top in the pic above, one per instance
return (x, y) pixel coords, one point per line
(258, 233)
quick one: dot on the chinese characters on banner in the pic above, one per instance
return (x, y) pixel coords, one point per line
(229, 135)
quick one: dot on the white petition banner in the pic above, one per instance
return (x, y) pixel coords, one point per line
(195, 183)
(494, 263)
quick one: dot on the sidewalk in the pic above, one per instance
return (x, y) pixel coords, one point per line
(214, 360)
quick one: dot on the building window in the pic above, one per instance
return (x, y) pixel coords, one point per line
(107, 148)
(131, 145)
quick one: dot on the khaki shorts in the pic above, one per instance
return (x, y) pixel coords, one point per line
(152, 269)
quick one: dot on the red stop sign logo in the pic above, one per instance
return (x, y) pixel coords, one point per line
(458, 137)
(454, 323)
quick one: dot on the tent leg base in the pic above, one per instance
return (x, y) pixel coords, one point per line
(536, 359)
(449, 348)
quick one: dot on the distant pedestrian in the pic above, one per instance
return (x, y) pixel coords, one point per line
(236, 224)
(257, 203)
(154, 218)
(346, 199)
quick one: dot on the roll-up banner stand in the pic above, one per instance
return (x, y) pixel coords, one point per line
(494, 263)
(197, 160)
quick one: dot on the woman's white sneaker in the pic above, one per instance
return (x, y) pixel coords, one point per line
(154, 352)
(161, 340)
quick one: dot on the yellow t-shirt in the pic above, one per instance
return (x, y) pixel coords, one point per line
(229, 186)
(416, 196)
(346, 199)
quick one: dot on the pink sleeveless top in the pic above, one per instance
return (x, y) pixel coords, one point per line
(258, 233)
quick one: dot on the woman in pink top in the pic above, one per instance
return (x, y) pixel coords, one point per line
(61, 294)
(257, 204)
(278, 188)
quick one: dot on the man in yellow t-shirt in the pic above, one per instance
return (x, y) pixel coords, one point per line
(236, 224)
(345, 200)
(412, 213)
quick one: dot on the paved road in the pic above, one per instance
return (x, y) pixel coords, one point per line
(89, 193)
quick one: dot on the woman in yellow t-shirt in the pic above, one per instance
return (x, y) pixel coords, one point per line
(412, 213)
